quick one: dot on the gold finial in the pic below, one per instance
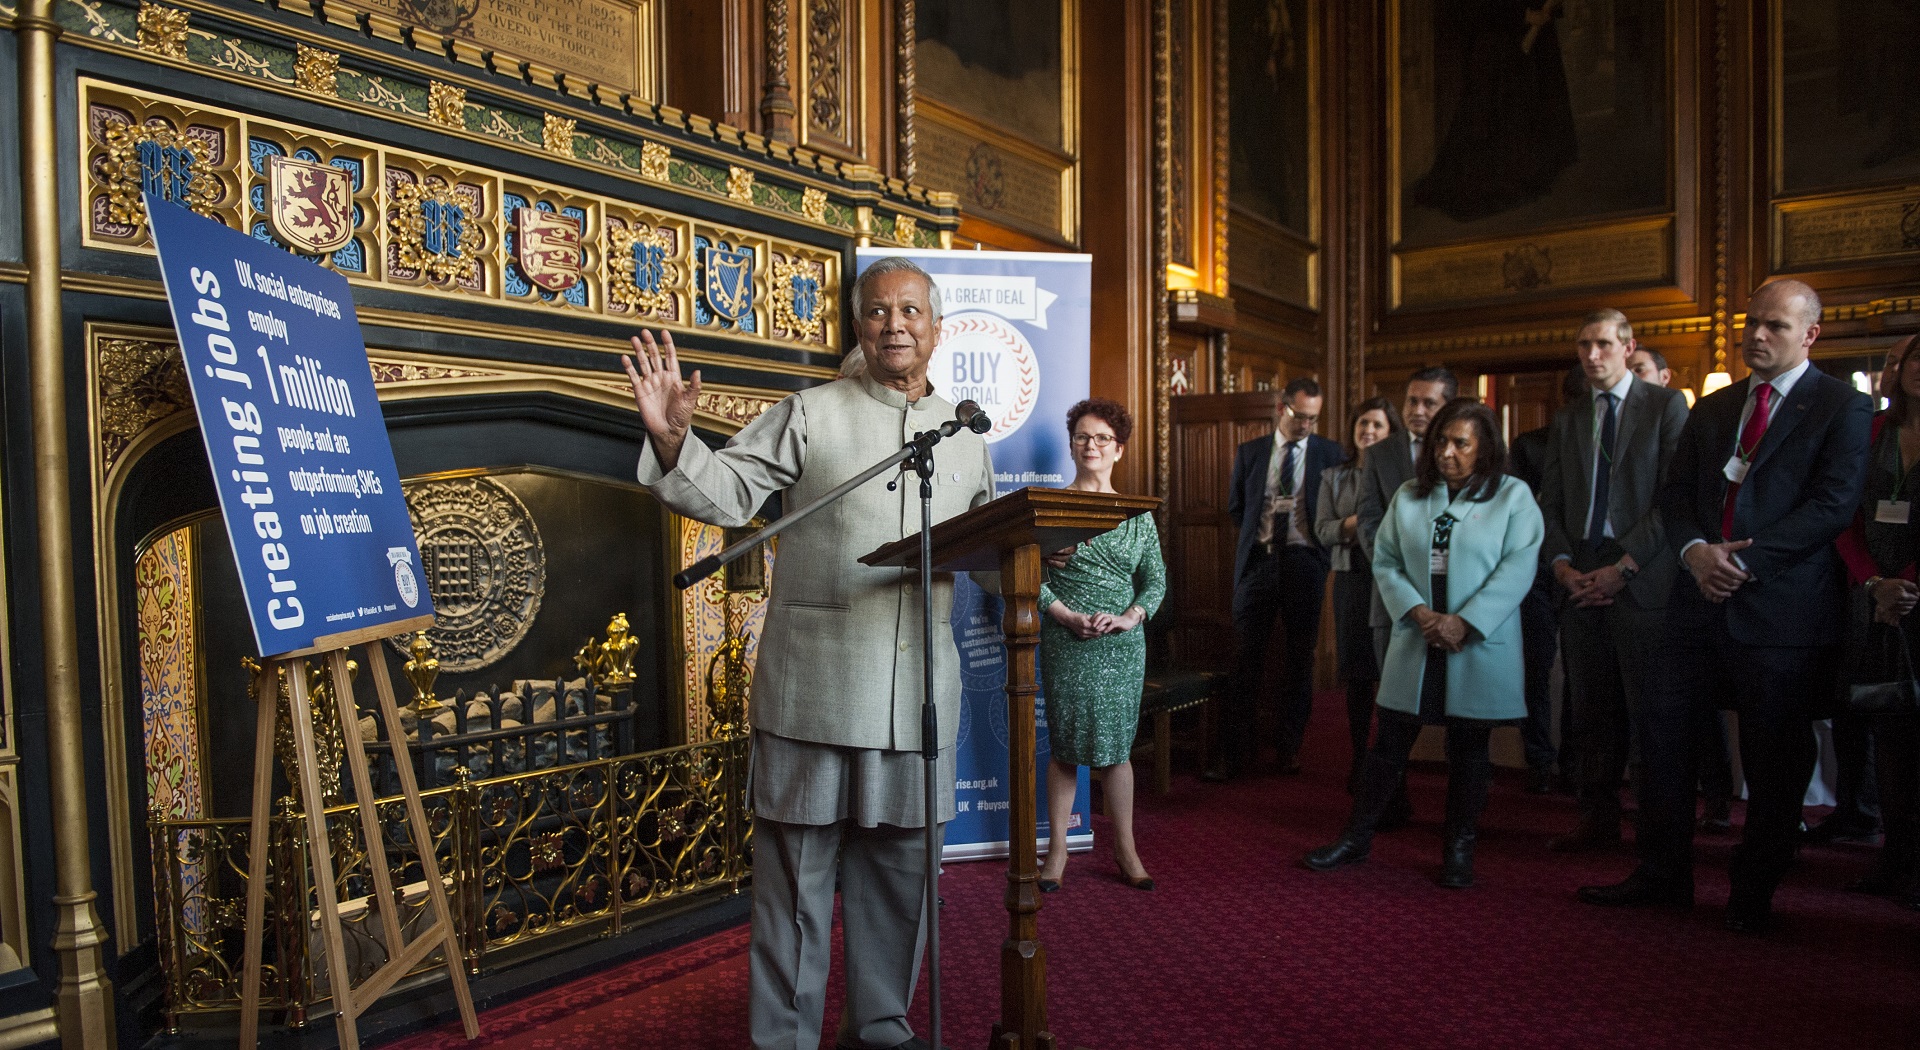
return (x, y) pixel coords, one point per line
(616, 655)
(587, 657)
(421, 669)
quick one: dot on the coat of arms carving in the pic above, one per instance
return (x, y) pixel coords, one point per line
(729, 281)
(310, 206)
(547, 247)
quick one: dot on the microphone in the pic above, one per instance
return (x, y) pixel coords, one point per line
(969, 415)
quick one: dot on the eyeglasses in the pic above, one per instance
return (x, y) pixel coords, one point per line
(1096, 440)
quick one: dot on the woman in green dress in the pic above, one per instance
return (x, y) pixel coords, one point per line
(1093, 652)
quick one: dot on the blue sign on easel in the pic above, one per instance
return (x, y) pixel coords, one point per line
(295, 436)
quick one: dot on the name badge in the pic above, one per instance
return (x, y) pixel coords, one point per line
(1437, 562)
(1892, 512)
(1283, 504)
(1735, 470)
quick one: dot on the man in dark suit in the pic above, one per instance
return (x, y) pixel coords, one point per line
(1606, 546)
(1279, 571)
(1767, 474)
(1390, 465)
(1540, 618)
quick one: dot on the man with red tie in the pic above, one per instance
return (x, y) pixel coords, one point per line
(1767, 474)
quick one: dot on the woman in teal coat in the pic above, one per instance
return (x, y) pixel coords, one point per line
(1454, 556)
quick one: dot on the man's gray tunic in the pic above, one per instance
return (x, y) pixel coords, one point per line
(837, 687)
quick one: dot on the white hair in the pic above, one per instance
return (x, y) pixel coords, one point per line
(853, 364)
(893, 264)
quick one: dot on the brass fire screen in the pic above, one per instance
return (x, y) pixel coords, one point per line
(589, 847)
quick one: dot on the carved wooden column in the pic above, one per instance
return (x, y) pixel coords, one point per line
(776, 98)
(905, 40)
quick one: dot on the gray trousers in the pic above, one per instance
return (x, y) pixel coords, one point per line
(883, 893)
(1607, 665)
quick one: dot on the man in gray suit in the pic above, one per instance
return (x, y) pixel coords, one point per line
(1389, 466)
(837, 778)
(1606, 454)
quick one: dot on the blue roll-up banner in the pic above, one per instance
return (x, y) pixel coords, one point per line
(1016, 338)
(295, 436)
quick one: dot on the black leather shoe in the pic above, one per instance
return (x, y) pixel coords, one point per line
(1220, 773)
(1837, 828)
(1456, 867)
(1339, 855)
(1712, 825)
(1637, 891)
(1589, 834)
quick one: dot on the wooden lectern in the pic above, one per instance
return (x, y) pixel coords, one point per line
(1009, 535)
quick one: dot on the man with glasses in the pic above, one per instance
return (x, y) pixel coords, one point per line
(1279, 572)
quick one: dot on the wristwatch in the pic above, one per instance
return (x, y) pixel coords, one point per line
(1627, 572)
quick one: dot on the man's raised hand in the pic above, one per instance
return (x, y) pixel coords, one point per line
(665, 401)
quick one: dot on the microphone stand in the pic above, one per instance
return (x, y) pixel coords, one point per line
(917, 455)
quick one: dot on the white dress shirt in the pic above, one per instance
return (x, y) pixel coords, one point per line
(1600, 463)
(1296, 535)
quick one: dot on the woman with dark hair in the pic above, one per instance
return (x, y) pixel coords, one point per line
(1336, 522)
(1881, 550)
(1093, 652)
(1454, 556)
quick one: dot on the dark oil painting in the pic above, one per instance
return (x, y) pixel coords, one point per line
(998, 61)
(1269, 111)
(1517, 114)
(1850, 91)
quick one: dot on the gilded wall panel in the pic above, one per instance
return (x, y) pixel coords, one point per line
(612, 43)
(1615, 256)
(995, 176)
(710, 616)
(426, 224)
(1825, 231)
(1274, 262)
(164, 581)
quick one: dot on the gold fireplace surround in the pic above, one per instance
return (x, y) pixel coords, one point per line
(588, 848)
(535, 859)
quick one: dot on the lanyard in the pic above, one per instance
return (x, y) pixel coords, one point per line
(1900, 473)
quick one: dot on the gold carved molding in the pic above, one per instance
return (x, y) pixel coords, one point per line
(317, 70)
(163, 30)
(447, 104)
(140, 383)
(556, 134)
(1405, 351)
(437, 227)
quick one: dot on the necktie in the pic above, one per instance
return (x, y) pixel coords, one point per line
(1603, 470)
(1285, 488)
(1750, 436)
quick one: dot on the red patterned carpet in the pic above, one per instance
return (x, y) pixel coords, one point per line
(1241, 947)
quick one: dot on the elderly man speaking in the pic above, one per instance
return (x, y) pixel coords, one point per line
(837, 773)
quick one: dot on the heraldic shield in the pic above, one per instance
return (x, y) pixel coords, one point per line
(310, 205)
(729, 281)
(548, 248)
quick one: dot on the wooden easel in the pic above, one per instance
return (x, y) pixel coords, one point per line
(349, 1002)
